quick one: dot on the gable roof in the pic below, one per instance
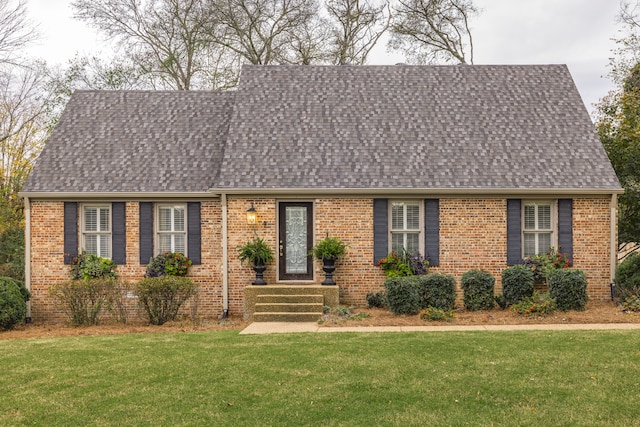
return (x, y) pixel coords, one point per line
(134, 141)
(412, 127)
(333, 129)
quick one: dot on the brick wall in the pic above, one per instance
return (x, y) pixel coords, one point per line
(472, 235)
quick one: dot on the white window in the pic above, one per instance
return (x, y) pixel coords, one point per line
(538, 227)
(96, 230)
(171, 230)
(406, 226)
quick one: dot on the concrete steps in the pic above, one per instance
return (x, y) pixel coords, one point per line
(295, 303)
(288, 308)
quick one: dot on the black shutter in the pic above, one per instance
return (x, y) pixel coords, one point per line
(70, 231)
(146, 232)
(380, 229)
(514, 231)
(432, 231)
(119, 233)
(565, 226)
(193, 232)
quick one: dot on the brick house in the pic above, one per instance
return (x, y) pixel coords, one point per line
(472, 166)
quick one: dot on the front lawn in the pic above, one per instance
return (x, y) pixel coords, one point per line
(222, 378)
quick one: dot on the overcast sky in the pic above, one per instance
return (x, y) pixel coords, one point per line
(573, 32)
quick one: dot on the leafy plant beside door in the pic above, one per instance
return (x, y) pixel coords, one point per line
(329, 250)
(257, 253)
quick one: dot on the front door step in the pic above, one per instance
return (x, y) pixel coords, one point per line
(280, 303)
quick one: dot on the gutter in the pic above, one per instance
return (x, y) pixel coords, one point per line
(478, 192)
(27, 252)
(129, 195)
(225, 256)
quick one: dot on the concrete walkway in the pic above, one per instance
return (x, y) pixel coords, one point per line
(287, 328)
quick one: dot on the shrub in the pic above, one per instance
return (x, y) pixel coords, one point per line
(478, 290)
(517, 283)
(535, 305)
(403, 294)
(161, 297)
(13, 307)
(88, 266)
(376, 300)
(83, 300)
(168, 264)
(438, 291)
(627, 278)
(26, 295)
(438, 314)
(569, 289)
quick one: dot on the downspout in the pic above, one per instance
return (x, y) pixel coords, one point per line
(225, 256)
(613, 243)
(27, 252)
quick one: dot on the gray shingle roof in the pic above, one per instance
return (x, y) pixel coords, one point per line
(333, 128)
(135, 141)
(430, 127)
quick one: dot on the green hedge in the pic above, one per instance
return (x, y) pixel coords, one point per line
(478, 290)
(438, 291)
(569, 289)
(517, 283)
(161, 297)
(627, 277)
(13, 306)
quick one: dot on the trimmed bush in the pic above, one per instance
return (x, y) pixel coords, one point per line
(438, 291)
(478, 290)
(13, 307)
(517, 283)
(404, 294)
(376, 300)
(627, 277)
(569, 289)
(161, 297)
(83, 300)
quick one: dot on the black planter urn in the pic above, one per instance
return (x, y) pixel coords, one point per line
(328, 266)
(259, 269)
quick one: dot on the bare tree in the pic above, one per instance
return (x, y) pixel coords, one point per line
(433, 31)
(170, 40)
(16, 31)
(357, 25)
(263, 31)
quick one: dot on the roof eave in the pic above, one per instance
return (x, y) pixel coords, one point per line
(419, 191)
(129, 195)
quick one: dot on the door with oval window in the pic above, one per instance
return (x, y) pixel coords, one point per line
(295, 239)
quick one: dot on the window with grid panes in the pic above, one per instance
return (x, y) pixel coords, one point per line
(405, 226)
(171, 229)
(538, 228)
(96, 230)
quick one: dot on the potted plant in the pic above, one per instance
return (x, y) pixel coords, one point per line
(329, 250)
(258, 254)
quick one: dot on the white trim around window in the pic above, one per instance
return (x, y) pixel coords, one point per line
(95, 229)
(171, 228)
(406, 226)
(539, 219)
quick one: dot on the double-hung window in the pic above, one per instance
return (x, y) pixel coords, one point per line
(96, 230)
(538, 227)
(406, 226)
(171, 228)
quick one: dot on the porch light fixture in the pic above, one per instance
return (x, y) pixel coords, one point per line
(252, 215)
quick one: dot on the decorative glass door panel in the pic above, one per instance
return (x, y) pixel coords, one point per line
(296, 240)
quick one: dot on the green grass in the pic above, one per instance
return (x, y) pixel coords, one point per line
(560, 378)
